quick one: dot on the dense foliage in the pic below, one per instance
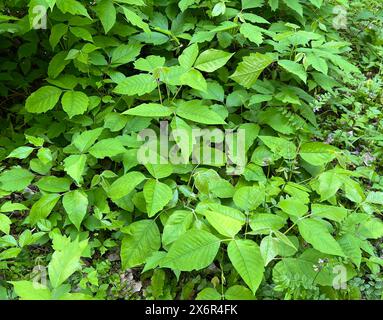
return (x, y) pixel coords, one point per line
(81, 217)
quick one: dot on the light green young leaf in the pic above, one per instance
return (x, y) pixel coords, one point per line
(317, 234)
(136, 85)
(65, 262)
(294, 68)
(294, 5)
(21, 152)
(195, 111)
(74, 103)
(318, 153)
(107, 148)
(54, 184)
(73, 7)
(76, 205)
(86, 139)
(16, 179)
(125, 184)
(189, 56)
(280, 146)
(212, 59)
(250, 69)
(226, 220)
(43, 100)
(5, 223)
(42, 208)
(177, 224)
(246, 258)
(157, 196)
(74, 166)
(107, 13)
(136, 20)
(28, 290)
(151, 110)
(194, 79)
(252, 33)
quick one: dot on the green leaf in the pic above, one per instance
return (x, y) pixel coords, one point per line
(142, 241)
(28, 290)
(74, 103)
(294, 5)
(184, 4)
(57, 32)
(150, 63)
(269, 249)
(248, 4)
(351, 248)
(76, 205)
(107, 148)
(195, 111)
(107, 13)
(293, 206)
(318, 153)
(294, 68)
(42, 208)
(246, 258)
(136, 85)
(375, 197)
(317, 3)
(21, 152)
(337, 214)
(249, 198)
(16, 179)
(177, 224)
(189, 56)
(252, 33)
(157, 196)
(43, 100)
(65, 262)
(262, 223)
(208, 294)
(74, 166)
(57, 64)
(212, 59)
(193, 78)
(194, 250)
(151, 110)
(329, 184)
(125, 185)
(125, 53)
(250, 69)
(317, 234)
(54, 184)
(5, 223)
(237, 292)
(227, 221)
(135, 19)
(280, 146)
(219, 9)
(81, 33)
(9, 207)
(72, 6)
(86, 139)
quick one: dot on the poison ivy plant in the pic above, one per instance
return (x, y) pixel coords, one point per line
(89, 199)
